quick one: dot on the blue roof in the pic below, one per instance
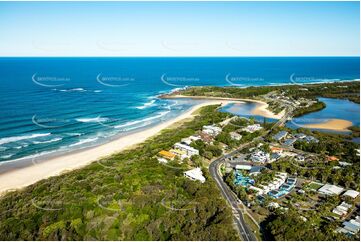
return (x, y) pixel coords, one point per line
(350, 226)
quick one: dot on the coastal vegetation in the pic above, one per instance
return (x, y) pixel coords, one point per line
(306, 92)
(312, 108)
(127, 196)
(344, 90)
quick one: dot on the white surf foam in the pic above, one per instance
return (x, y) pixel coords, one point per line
(17, 138)
(92, 120)
(147, 105)
(84, 141)
(47, 141)
(78, 89)
(5, 156)
(144, 121)
(73, 134)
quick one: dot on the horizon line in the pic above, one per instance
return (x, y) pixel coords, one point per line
(306, 56)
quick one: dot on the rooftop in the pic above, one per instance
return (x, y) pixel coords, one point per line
(329, 189)
(195, 174)
(351, 193)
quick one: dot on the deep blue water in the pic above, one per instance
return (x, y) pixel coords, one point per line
(49, 104)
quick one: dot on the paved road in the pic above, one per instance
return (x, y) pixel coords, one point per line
(243, 229)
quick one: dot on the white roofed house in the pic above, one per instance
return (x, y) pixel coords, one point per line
(188, 149)
(211, 130)
(351, 193)
(252, 128)
(235, 136)
(331, 190)
(243, 167)
(260, 156)
(195, 174)
(190, 139)
(342, 209)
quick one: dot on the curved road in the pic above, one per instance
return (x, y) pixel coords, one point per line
(243, 229)
(245, 232)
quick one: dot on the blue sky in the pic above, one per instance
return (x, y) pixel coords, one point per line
(179, 29)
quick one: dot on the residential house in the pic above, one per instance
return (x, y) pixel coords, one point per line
(351, 193)
(188, 149)
(330, 190)
(235, 136)
(166, 154)
(290, 142)
(190, 139)
(195, 174)
(260, 156)
(211, 130)
(280, 135)
(252, 128)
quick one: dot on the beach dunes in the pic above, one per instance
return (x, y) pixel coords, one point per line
(36, 171)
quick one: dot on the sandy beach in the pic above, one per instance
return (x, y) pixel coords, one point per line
(24, 176)
(332, 124)
(260, 109)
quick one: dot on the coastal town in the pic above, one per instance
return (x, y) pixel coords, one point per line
(271, 170)
(263, 189)
(256, 178)
(195, 120)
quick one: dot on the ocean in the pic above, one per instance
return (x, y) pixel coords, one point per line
(63, 104)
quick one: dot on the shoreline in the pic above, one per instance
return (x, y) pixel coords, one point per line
(260, 109)
(332, 124)
(31, 172)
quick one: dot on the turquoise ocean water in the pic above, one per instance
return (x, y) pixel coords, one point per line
(64, 104)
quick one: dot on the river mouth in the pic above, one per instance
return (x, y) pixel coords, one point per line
(338, 115)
